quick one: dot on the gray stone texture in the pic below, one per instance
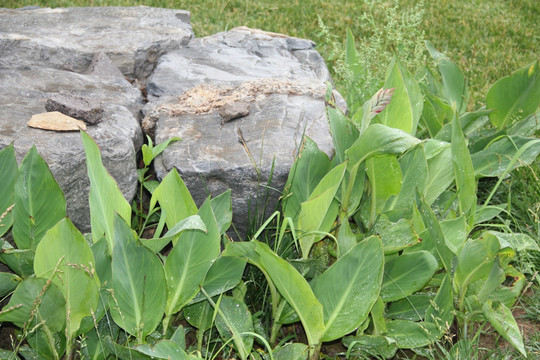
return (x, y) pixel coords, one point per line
(242, 101)
(62, 55)
(280, 79)
(68, 38)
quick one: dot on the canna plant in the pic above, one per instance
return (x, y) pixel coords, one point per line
(411, 249)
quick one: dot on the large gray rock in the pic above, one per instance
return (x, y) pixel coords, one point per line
(25, 93)
(67, 38)
(82, 53)
(200, 93)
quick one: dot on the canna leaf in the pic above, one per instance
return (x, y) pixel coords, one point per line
(64, 256)
(348, 289)
(514, 97)
(503, 321)
(405, 109)
(106, 199)
(319, 212)
(406, 274)
(39, 201)
(8, 175)
(138, 281)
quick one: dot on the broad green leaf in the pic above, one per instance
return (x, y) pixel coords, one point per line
(50, 305)
(290, 284)
(406, 274)
(189, 261)
(503, 321)
(463, 170)
(395, 236)
(164, 349)
(516, 241)
(348, 289)
(224, 274)
(439, 316)
(378, 140)
(103, 261)
(234, 321)
(192, 222)
(150, 152)
(106, 199)
(412, 307)
(514, 97)
(488, 212)
(343, 132)
(491, 283)
(64, 255)
(222, 207)
(455, 233)
(414, 177)
(454, 86)
(373, 346)
(317, 214)
(46, 344)
(307, 171)
(409, 334)
(8, 282)
(8, 175)
(495, 158)
(384, 174)
(174, 198)
(139, 285)
(123, 352)
(440, 174)
(291, 351)
(346, 239)
(441, 311)
(474, 262)
(199, 315)
(20, 261)
(436, 235)
(39, 201)
(525, 127)
(405, 109)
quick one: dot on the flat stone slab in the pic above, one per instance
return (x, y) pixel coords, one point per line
(67, 38)
(242, 102)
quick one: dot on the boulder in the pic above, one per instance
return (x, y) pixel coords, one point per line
(118, 134)
(242, 102)
(68, 38)
(76, 61)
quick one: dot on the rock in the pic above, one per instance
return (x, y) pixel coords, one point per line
(234, 110)
(85, 109)
(24, 93)
(56, 121)
(103, 67)
(272, 85)
(234, 57)
(67, 38)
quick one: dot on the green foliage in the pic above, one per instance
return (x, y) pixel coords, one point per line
(387, 243)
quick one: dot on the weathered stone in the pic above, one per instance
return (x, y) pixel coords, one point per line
(86, 109)
(56, 121)
(24, 92)
(280, 80)
(103, 67)
(234, 57)
(67, 38)
(234, 110)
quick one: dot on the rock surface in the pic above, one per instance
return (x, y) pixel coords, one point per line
(64, 53)
(68, 38)
(241, 101)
